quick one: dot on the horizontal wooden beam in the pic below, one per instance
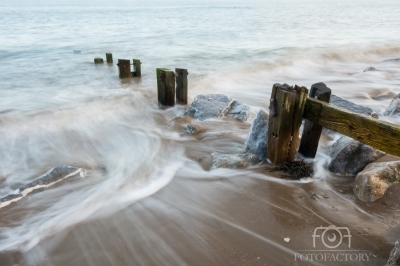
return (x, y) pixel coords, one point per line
(376, 133)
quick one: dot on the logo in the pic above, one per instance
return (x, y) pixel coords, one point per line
(331, 236)
(326, 241)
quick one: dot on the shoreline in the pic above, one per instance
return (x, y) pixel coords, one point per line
(238, 217)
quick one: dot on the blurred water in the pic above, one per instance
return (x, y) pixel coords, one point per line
(57, 107)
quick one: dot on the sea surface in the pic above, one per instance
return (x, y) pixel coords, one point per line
(58, 108)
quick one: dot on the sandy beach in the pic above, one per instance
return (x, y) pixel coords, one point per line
(236, 217)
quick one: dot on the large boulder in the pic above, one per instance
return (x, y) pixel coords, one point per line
(206, 106)
(394, 258)
(257, 139)
(349, 157)
(352, 107)
(53, 176)
(372, 183)
(394, 107)
(232, 161)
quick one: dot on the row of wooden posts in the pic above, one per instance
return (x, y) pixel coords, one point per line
(124, 66)
(289, 105)
(171, 85)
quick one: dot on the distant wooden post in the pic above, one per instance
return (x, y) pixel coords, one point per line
(286, 111)
(98, 60)
(181, 85)
(311, 131)
(109, 58)
(137, 67)
(166, 86)
(124, 66)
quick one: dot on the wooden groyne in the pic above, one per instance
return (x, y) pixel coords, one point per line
(170, 84)
(287, 112)
(289, 105)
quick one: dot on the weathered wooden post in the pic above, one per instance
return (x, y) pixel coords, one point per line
(98, 60)
(166, 86)
(311, 131)
(160, 85)
(124, 66)
(109, 58)
(181, 85)
(285, 116)
(137, 67)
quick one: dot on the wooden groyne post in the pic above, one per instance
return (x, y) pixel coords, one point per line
(98, 60)
(181, 85)
(124, 66)
(109, 58)
(137, 68)
(165, 86)
(311, 131)
(285, 117)
(289, 105)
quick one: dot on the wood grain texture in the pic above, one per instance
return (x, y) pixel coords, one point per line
(124, 66)
(312, 132)
(169, 88)
(160, 85)
(109, 58)
(301, 97)
(376, 133)
(280, 123)
(166, 86)
(181, 85)
(138, 68)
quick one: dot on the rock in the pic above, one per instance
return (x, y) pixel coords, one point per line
(257, 139)
(11, 197)
(394, 258)
(232, 161)
(372, 183)
(349, 156)
(50, 178)
(206, 106)
(394, 107)
(352, 107)
(179, 121)
(240, 111)
(392, 60)
(186, 125)
(370, 69)
(194, 129)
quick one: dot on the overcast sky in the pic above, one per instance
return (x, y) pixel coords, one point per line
(138, 2)
(22, 3)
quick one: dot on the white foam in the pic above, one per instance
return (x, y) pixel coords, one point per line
(29, 190)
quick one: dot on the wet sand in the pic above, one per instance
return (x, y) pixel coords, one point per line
(226, 217)
(233, 221)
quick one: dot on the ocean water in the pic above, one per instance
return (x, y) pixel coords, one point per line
(57, 107)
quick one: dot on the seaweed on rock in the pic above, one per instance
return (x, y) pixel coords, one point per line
(293, 170)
